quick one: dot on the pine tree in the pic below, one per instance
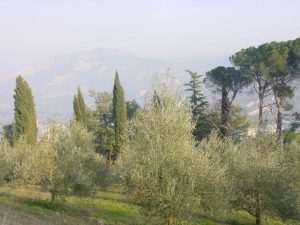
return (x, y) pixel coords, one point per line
(198, 104)
(119, 115)
(79, 108)
(197, 99)
(24, 112)
(228, 81)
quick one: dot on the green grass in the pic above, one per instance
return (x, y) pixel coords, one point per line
(108, 207)
(28, 205)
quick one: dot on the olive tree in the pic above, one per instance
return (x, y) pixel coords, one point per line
(13, 158)
(65, 163)
(262, 179)
(3, 164)
(163, 171)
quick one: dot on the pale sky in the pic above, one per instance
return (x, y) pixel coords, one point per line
(33, 31)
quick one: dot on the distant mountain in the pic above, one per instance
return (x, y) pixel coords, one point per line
(55, 83)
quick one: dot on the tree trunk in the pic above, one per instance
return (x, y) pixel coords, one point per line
(225, 111)
(260, 111)
(109, 160)
(257, 219)
(279, 124)
(53, 197)
(170, 220)
(257, 211)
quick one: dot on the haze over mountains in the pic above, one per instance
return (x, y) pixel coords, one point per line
(55, 82)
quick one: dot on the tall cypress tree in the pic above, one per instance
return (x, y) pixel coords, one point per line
(79, 108)
(119, 115)
(24, 112)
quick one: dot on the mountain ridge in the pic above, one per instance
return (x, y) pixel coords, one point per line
(54, 83)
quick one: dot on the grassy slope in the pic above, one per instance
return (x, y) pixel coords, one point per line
(28, 206)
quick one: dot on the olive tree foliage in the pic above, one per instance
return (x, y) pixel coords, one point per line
(290, 175)
(2, 166)
(263, 179)
(162, 169)
(13, 158)
(68, 163)
(62, 163)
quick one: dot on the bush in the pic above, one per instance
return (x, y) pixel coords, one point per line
(13, 159)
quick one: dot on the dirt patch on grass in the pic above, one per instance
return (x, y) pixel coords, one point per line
(12, 217)
(18, 217)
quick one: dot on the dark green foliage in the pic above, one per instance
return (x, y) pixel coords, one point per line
(8, 132)
(132, 106)
(80, 109)
(273, 67)
(199, 105)
(101, 123)
(212, 120)
(290, 135)
(251, 62)
(197, 99)
(227, 81)
(206, 124)
(24, 112)
(282, 69)
(119, 115)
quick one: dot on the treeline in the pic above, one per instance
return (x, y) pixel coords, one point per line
(270, 71)
(175, 157)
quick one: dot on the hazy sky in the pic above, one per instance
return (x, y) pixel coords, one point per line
(33, 31)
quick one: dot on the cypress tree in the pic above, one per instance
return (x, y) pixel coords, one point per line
(79, 107)
(119, 115)
(24, 112)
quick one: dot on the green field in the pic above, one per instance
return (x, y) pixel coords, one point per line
(29, 206)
